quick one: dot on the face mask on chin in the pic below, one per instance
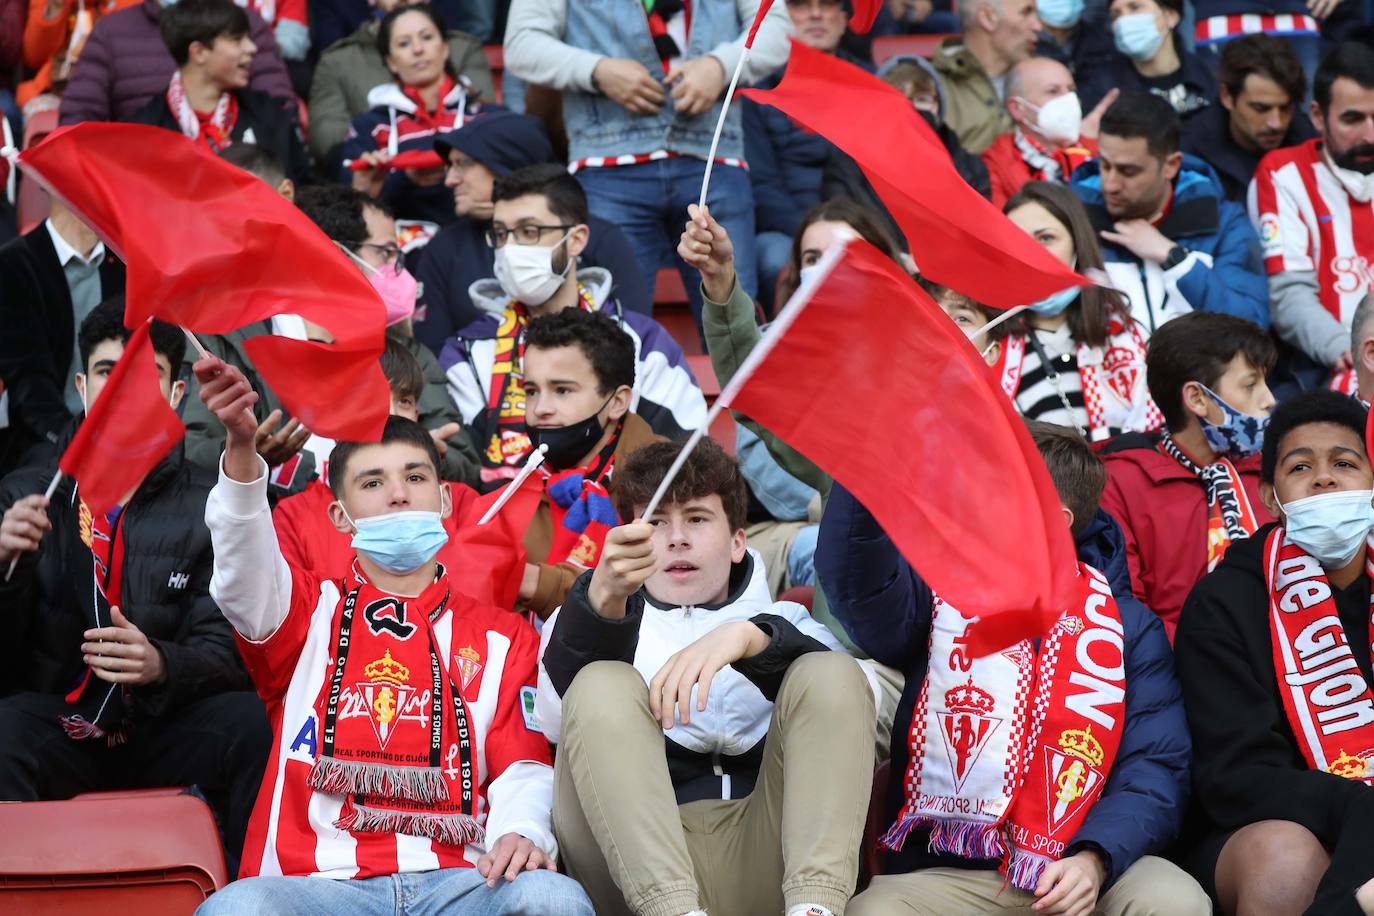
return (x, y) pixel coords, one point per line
(568, 445)
(1356, 176)
(526, 272)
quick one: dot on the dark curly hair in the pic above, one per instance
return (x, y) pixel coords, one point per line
(708, 469)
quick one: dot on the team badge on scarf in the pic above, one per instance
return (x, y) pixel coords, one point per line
(1328, 702)
(1010, 751)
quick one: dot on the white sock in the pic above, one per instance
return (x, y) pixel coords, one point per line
(809, 909)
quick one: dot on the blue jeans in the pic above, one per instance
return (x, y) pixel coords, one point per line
(649, 202)
(450, 891)
(774, 251)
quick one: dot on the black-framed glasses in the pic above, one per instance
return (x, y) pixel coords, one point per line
(527, 234)
(394, 256)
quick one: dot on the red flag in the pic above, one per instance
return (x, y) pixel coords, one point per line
(212, 248)
(865, 11)
(494, 554)
(957, 238)
(901, 410)
(126, 431)
(764, 6)
(405, 159)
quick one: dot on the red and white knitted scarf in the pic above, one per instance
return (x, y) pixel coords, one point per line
(212, 130)
(1328, 702)
(1010, 751)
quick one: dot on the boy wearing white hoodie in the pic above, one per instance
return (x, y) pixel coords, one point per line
(661, 676)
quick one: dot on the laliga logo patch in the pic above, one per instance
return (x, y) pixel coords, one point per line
(388, 616)
(1269, 228)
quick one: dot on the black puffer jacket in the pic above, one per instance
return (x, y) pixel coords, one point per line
(46, 605)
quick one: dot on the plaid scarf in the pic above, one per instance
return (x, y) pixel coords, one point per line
(407, 766)
(101, 708)
(213, 129)
(1229, 515)
(503, 425)
(582, 509)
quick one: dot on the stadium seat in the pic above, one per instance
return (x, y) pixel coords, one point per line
(155, 853)
(705, 373)
(889, 46)
(871, 853)
(673, 312)
(723, 431)
(805, 595)
(496, 60)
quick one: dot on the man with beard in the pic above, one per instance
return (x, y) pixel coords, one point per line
(1312, 207)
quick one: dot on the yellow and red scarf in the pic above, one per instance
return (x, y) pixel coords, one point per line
(1009, 752)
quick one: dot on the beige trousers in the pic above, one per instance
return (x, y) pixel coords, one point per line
(1150, 887)
(795, 839)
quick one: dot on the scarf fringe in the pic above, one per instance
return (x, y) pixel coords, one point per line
(1025, 869)
(450, 829)
(349, 777)
(79, 728)
(961, 838)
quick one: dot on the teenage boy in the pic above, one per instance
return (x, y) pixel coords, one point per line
(578, 388)
(1273, 653)
(677, 687)
(208, 98)
(124, 673)
(1183, 495)
(539, 228)
(403, 762)
(1080, 825)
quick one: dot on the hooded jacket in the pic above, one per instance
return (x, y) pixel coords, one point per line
(1248, 767)
(886, 607)
(666, 394)
(348, 70)
(1161, 507)
(972, 105)
(718, 754)
(1208, 137)
(1222, 271)
(165, 589)
(125, 64)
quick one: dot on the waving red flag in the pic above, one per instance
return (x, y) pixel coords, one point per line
(764, 6)
(865, 12)
(957, 238)
(901, 410)
(127, 429)
(212, 248)
(493, 555)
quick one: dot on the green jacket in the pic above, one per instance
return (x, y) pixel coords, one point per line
(972, 107)
(205, 435)
(731, 333)
(351, 66)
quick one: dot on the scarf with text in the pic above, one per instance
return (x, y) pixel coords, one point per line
(101, 709)
(407, 766)
(1010, 751)
(211, 129)
(1229, 514)
(581, 507)
(1115, 394)
(508, 444)
(1327, 700)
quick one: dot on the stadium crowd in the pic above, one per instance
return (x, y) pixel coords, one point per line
(588, 710)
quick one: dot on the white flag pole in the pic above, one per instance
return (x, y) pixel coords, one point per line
(720, 125)
(1008, 313)
(771, 336)
(535, 459)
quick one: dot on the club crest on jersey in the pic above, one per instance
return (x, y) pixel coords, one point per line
(967, 726)
(388, 615)
(385, 693)
(468, 663)
(1075, 774)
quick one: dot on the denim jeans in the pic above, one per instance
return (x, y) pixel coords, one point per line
(774, 251)
(649, 203)
(450, 891)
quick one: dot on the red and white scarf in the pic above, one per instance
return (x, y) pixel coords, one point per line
(1328, 702)
(1115, 394)
(398, 775)
(213, 129)
(1010, 751)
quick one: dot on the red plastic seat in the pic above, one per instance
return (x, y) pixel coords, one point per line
(805, 595)
(705, 373)
(723, 431)
(496, 60)
(154, 853)
(887, 47)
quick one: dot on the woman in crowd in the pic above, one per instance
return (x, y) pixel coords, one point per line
(1151, 58)
(1075, 358)
(423, 100)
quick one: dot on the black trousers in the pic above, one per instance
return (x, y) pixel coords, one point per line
(219, 744)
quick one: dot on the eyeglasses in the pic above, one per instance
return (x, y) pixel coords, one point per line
(528, 234)
(392, 254)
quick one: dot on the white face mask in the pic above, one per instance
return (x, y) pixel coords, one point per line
(1059, 119)
(1357, 184)
(526, 271)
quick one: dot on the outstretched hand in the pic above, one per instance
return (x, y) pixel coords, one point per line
(226, 393)
(706, 246)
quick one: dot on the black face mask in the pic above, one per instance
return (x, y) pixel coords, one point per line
(569, 444)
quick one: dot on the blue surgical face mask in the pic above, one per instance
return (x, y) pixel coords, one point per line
(1137, 36)
(1060, 14)
(1330, 526)
(1055, 304)
(400, 542)
(1238, 435)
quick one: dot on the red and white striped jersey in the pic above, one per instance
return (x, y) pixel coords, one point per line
(1307, 221)
(284, 620)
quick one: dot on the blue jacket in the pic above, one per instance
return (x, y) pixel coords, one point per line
(886, 608)
(1223, 271)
